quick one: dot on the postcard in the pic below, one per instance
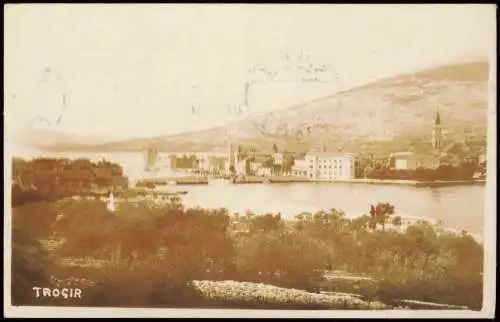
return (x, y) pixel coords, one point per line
(237, 160)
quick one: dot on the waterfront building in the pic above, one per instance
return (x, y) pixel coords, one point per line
(241, 167)
(203, 163)
(300, 168)
(278, 158)
(411, 160)
(254, 166)
(151, 159)
(167, 160)
(329, 166)
(156, 160)
(426, 156)
(264, 171)
(217, 163)
(232, 156)
(186, 161)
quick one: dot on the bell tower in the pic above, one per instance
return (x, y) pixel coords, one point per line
(437, 132)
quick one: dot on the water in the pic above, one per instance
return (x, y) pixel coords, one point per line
(458, 207)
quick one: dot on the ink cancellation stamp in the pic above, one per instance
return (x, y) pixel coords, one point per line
(250, 160)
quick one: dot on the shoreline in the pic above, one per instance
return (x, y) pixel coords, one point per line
(415, 183)
(194, 180)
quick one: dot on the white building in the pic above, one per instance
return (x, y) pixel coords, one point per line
(300, 168)
(411, 160)
(278, 158)
(328, 166)
(264, 172)
(254, 166)
(241, 167)
(155, 160)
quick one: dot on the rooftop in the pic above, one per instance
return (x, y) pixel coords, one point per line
(405, 153)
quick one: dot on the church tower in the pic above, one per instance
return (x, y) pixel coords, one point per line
(437, 132)
(230, 153)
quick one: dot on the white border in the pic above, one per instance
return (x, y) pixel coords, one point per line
(489, 248)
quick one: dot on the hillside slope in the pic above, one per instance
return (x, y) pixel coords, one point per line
(389, 113)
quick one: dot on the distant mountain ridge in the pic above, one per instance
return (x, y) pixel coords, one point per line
(387, 114)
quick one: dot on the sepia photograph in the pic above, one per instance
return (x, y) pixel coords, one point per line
(237, 160)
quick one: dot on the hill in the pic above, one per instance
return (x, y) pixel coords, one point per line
(386, 115)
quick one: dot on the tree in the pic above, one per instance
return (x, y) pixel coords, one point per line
(281, 258)
(268, 162)
(368, 171)
(30, 263)
(380, 213)
(266, 223)
(396, 221)
(275, 148)
(288, 163)
(360, 223)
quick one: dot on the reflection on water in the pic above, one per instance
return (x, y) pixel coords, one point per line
(435, 193)
(459, 207)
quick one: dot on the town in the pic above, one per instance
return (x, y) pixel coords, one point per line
(438, 160)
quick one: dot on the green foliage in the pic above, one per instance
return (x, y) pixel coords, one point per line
(153, 252)
(36, 219)
(268, 162)
(280, 258)
(50, 179)
(396, 221)
(141, 284)
(266, 223)
(30, 264)
(288, 163)
(380, 213)
(384, 169)
(194, 240)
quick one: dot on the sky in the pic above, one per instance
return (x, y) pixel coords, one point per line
(129, 70)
